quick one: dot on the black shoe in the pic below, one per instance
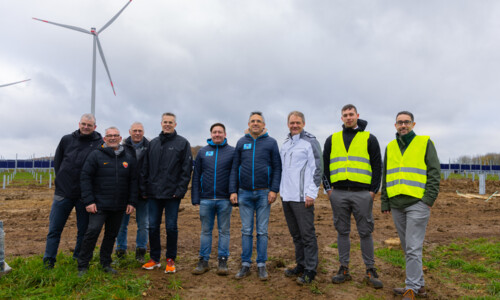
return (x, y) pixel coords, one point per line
(120, 253)
(306, 278)
(48, 264)
(139, 255)
(244, 272)
(201, 268)
(371, 278)
(262, 273)
(108, 269)
(82, 272)
(222, 268)
(342, 275)
(297, 271)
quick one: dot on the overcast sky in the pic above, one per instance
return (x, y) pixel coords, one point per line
(215, 61)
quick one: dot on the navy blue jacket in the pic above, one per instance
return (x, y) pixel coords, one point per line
(256, 164)
(212, 169)
(110, 180)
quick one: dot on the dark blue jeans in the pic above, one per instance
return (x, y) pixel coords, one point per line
(59, 214)
(156, 207)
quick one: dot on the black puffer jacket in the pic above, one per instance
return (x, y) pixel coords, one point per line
(167, 167)
(69, 159)
(110, 180)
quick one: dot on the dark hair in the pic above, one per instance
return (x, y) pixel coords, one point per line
(257, 113)
(405, 112)
(217, 124)
(349, 106)
(169, 114)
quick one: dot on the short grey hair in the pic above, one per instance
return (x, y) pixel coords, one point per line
(298, 114)
(136, 123)
(88, 116)
(169, 114)
(257, 113)
(112, 128)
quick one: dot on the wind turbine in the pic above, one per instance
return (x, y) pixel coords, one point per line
(4, 85)
(94, 33)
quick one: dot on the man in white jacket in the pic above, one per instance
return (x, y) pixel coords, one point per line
(300, 180)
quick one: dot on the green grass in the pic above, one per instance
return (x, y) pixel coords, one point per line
(492, 177)
(471, 265)
(25, 178)
(30, 280)
(334, 245)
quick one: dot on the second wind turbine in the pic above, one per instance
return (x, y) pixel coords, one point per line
(95, 33)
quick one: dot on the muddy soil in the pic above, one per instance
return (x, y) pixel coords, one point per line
(25, 212)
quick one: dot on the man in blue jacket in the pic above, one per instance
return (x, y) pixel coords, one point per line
(210, 191)
(255, 181)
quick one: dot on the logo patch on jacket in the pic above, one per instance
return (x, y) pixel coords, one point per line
(106, 163)
(125, 164)
(247, 146)
(209, 153)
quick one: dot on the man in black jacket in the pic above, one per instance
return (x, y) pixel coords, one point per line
(109, 189)
(141, 145)
(165, 177)
(68, 161)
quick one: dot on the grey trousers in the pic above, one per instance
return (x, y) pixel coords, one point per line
(2, 246)
(411, 223)
(359, 204)
(300, 221)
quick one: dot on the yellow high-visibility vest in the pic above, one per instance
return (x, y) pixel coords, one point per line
(407, 173)
(353, 165)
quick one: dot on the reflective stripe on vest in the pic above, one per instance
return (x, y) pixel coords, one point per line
(353, 165)
(407, 174)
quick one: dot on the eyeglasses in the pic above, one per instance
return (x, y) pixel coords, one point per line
(406, 122)
(112, 135)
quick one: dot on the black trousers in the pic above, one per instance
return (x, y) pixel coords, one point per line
(113, 220)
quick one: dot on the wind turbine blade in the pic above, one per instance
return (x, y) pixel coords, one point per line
(65, 26)
(114, 18)
(3, 85)
(104, 62)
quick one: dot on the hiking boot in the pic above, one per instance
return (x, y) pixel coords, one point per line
(297, 271)
(151, 264)
(306, 278)
(82, 272)
(170, 268)
(420, 293)
(371, 278)
(409, 294)
(120, 253)
(244, 272)
(222, 268)
(262, 273)
(139, 255)
(108, 269)
(5, 269)
(201, 268)
(342, 275)
(48, 264)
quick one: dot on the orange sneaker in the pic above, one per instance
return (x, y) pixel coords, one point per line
(151, 264)
(170, 266)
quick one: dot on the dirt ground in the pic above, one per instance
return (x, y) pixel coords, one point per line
(25, 212)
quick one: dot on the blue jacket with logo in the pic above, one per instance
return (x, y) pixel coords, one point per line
(256, 164)
(212, 169)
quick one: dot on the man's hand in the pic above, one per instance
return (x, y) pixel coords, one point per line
(92, 208)
(233, 198)
(130, 209)
(309, 201)
(386, 212)
(373, 195)
(329, 192)
(271, 197)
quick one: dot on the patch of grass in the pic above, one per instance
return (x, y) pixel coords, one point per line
(455, 263)
(493, 287)
(469, 286)
(174, 283)
(313, 287)
(395, 257)
(370, 297)
(334, 245)
(29, 279)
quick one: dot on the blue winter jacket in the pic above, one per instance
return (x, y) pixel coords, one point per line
(212, 169)
(256, 164)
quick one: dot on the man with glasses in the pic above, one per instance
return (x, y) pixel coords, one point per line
(166, 173)
(352, 169)
(410, 185)
(68, 161)
(109, 189)
(140, 144)
(255, 181)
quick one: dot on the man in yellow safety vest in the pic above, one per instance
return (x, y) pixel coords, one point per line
(410, 185)
(352, 173)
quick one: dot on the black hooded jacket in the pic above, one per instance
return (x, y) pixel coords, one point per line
(69, 159)
(110, 180)
(373, 151)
